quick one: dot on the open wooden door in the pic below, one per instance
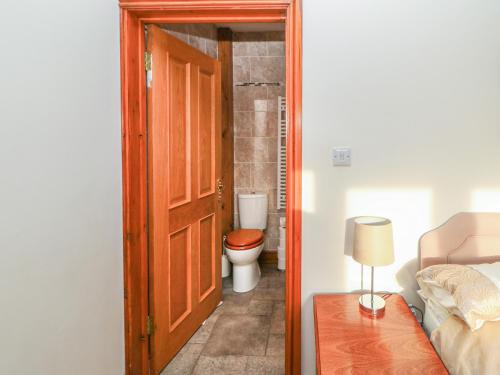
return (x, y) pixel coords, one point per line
(184, 201)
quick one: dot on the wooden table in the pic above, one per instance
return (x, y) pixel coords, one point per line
(351, 342)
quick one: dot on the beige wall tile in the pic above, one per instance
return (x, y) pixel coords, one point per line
(241, 69)
(275, 91)
(272, 197)
(273, 223)
(272, 150)
(272, 97)
(203, 37)
(261, 150)
(260, 105)
(271, 244)
(275, 49)
(249, 44)
(198, 43)
(243, 123)
(264, 176)
(243, 175)
(212, 48)
(245, 97)
(265, 150)
(265, 124)
(178, 30)
(259, 57)
(267, 69)
(243, 150)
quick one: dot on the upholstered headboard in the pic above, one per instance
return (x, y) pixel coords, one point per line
(466, 238)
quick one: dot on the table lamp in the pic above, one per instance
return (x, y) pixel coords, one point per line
(373, 246)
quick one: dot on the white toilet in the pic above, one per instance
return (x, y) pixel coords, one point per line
(243, 246)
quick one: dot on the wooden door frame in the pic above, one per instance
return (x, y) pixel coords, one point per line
(134, 15)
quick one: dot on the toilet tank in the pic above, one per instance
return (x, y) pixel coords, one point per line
(253, 211)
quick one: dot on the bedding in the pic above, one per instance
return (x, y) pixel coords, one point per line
(466, 352)
(490, 270)
(434, 316)
(469, 292)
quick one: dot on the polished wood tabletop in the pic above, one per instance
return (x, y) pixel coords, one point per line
(349, 341)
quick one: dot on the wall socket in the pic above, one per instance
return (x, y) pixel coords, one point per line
(342, 156)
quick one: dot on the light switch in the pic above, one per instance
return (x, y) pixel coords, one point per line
(342, 156)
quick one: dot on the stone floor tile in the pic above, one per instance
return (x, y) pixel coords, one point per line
(276, 345)
(245, 336)
(225, 365)
(237, 303)
(265, 366)
(278, 318)
(203, 333)
(184, 362)
(260, 307)
(275, 294)
(238, 335)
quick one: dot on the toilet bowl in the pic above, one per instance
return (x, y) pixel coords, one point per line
(243, 246)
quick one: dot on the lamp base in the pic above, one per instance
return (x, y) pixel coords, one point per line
(372, 304)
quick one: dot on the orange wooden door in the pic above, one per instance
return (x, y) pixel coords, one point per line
(184, 203)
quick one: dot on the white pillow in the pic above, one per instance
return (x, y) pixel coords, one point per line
(463, 291)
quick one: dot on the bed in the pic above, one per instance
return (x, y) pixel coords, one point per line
(471, 239)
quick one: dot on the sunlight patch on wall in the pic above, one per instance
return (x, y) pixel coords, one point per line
(411, 214)
(485, 201)
(308, 192)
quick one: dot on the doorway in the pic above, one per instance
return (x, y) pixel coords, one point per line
(245, 334)
(136, 231)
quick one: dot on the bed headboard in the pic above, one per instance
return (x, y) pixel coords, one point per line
(466, 238)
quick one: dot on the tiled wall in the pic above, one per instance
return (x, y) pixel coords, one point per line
(200, 36)
(258, 57)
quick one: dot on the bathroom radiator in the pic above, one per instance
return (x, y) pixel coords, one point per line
(282, 127)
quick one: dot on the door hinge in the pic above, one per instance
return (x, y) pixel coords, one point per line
(148, 62)
(149, 325)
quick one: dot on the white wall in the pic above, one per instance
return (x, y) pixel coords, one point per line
(414, 88)
(61, 288)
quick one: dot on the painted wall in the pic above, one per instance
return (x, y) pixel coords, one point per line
(61, 289)
(258, 57)
(413, 87)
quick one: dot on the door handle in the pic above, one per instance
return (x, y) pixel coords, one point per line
(220, 188)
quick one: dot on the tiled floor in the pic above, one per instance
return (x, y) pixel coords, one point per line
(245, 336)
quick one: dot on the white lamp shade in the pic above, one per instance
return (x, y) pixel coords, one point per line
(373, 242)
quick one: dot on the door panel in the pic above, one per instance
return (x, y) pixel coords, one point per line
(206, 135)
(184, 208)
(179, 132)
(207, 261)
(179, 274)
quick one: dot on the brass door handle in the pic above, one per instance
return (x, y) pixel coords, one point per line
(220, 188)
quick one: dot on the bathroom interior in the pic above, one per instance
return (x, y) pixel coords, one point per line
(245, 333)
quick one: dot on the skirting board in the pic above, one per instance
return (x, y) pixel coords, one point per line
(268, 257)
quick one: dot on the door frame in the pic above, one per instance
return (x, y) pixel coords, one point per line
(134, 15)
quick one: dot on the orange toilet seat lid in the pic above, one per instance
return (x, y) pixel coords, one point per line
(247, 247)
(245, 238)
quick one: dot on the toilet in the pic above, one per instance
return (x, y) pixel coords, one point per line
(243, 246)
